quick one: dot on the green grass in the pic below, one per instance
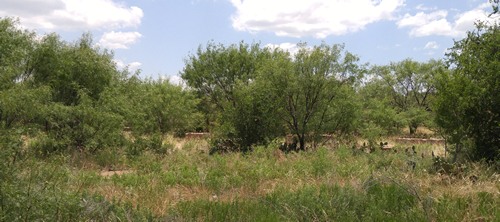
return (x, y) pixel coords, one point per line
(187, 184)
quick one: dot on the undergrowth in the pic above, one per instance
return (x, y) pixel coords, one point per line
(179, 181)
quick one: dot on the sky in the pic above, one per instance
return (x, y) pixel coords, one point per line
(156, 36)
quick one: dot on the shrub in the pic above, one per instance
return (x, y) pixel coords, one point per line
(153, 143)
(226, 145)
(81, 127)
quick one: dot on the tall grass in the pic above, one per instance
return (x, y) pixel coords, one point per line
(183, 183)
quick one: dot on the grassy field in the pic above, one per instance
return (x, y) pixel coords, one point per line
(181, 182)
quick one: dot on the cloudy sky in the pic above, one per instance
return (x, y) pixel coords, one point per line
(157, 35)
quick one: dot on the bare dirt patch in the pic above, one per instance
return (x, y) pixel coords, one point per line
(110, 173)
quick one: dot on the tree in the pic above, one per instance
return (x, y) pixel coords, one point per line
(79, 127)
(68, 68)
(22, 105)
(378, 116)
(214, 72)
(168, 107)
(16, 47)
(468, 106)
(259, 92)
(308, 89)
(224, 79)
(411, 88)
(151, 107)
(18, 102)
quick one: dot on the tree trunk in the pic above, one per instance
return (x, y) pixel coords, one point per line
(302, 143)
(413, 129)
(445, 147)
(458, 150)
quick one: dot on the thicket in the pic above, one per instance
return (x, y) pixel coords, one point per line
(71, 96)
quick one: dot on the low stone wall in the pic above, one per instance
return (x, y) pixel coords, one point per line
(197, 135)
(420, 140)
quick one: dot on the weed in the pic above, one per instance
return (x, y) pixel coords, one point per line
(108, 158)
(266, 184)
(321, 163)
(203, 210)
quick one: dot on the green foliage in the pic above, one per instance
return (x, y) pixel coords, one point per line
(80, 127)
(185, 174)
(168, 107)
(444, 166)
(255, 118)
(153, 143)
(71, 68)
(10, 154)
(411, 89)
(380, 200)
(456, 208)
(388, 202)
(75, 95)
(151, 107)
(215, 71)
(16, 47)
(321, 164)
(223, 77)
(326, 203)
(57, 97)
(378, 116)
(320, 185)
(109, 158)
(468, 106)
(33, 190)
(22, 106)
(311, 91)
(220, 211)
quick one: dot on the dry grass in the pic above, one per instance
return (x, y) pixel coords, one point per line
(187, 173)
(110, 173)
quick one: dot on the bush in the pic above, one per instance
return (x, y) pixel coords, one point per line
(226, 145)
(81, 127)
(445, 166)
(468, 102)
(45, 145)
(153, 143)
(109, 158)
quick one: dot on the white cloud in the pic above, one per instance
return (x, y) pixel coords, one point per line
(431, 45)
(291, 48)
(119, 40)
(436, 23)
(174, 79)
(119, 64)
(465, 21)
(318, 18)
(421, 18)
(133, 66)
(286, 46)
(72, 14)
(421, 7)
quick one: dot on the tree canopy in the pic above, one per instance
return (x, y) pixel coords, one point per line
(312, 88)
(411, 88)
(306, 93)
(468, 105)
(74, 95)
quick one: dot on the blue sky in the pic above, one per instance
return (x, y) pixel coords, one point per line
(157, 35)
